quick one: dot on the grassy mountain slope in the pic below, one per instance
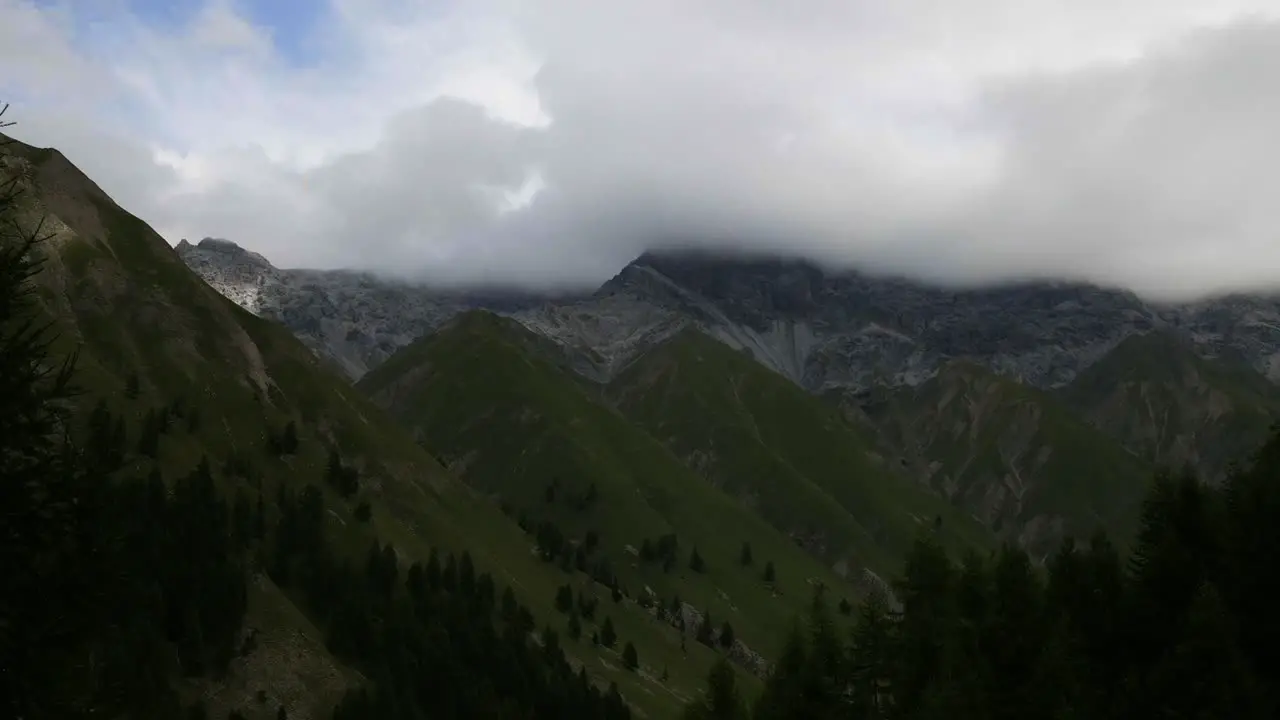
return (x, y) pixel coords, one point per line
(152, 336)
(1173, 407)
(1013, 455)
(784, 453)
(500, 413)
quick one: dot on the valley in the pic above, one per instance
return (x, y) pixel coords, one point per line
(660, 474)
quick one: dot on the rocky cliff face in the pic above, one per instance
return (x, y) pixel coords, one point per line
(847, 329)
(355, 320)
(819, 328)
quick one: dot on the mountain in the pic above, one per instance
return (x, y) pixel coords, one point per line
(355, 320)
(1174, 407)
(484, 396)
(842, 334)
(819, 328)
(192, 403)
(825, 328)
(1015, 456)
(784, 453)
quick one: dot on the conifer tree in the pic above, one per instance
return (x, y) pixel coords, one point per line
(39, 488)
(696, 563)
(564, 598)
(726, 635)
(608, 636)
(705, 631)
(722, 701)
(629, 657)
(575, 625)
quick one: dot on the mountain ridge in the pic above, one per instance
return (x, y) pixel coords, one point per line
(832, 332)
(826, 328)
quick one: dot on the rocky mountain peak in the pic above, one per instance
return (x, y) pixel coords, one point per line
(820, 327)
(238, 274)
(227, 250)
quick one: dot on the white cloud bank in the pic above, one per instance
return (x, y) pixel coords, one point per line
(1128, 141)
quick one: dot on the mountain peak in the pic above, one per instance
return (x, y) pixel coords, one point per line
(237, 273)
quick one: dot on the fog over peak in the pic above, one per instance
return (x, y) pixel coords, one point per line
(547, 144)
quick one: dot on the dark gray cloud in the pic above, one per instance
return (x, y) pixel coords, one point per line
(1129, 143)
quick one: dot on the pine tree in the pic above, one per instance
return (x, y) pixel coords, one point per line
(784, 692)
(696, 562)
(745, 557)
(40, 487)
(769, 575)
(564, 599)
(726, 635)
(705, 632)
(629, 657)
(646, 551)
(1205, 674)
(870, 657)
(925, 632)
(722, 700)
(825, 680)
(608, 637)
(289, 439)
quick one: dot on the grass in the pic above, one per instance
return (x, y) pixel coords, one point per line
(508, 420)
(1018, 457)
(1171, 406)
(785, 453)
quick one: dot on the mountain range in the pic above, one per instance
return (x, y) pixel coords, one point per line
(817, 327)
(840, 333)
(660, 473)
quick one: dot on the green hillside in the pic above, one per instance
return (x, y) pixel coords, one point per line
(193, 377)
(783, 453)
(497, 411)
(1161, 400)
(1014, 456)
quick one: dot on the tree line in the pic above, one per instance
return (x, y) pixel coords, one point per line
(1184, 626)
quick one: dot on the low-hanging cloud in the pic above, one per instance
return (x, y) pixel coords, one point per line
(1128, 143)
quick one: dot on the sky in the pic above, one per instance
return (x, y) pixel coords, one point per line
(1123, 142)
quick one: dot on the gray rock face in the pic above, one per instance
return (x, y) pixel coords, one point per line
(821, 329)
(824, 329)
(356, 320)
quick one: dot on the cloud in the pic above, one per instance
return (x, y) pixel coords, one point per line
(1122, 142)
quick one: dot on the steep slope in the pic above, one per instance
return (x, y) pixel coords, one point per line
(1167, 404)
(783, 453)
(823, 328)
(494, 408)
(1014, 456)
(194, 376)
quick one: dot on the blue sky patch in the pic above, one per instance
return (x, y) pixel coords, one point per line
(291, 23)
